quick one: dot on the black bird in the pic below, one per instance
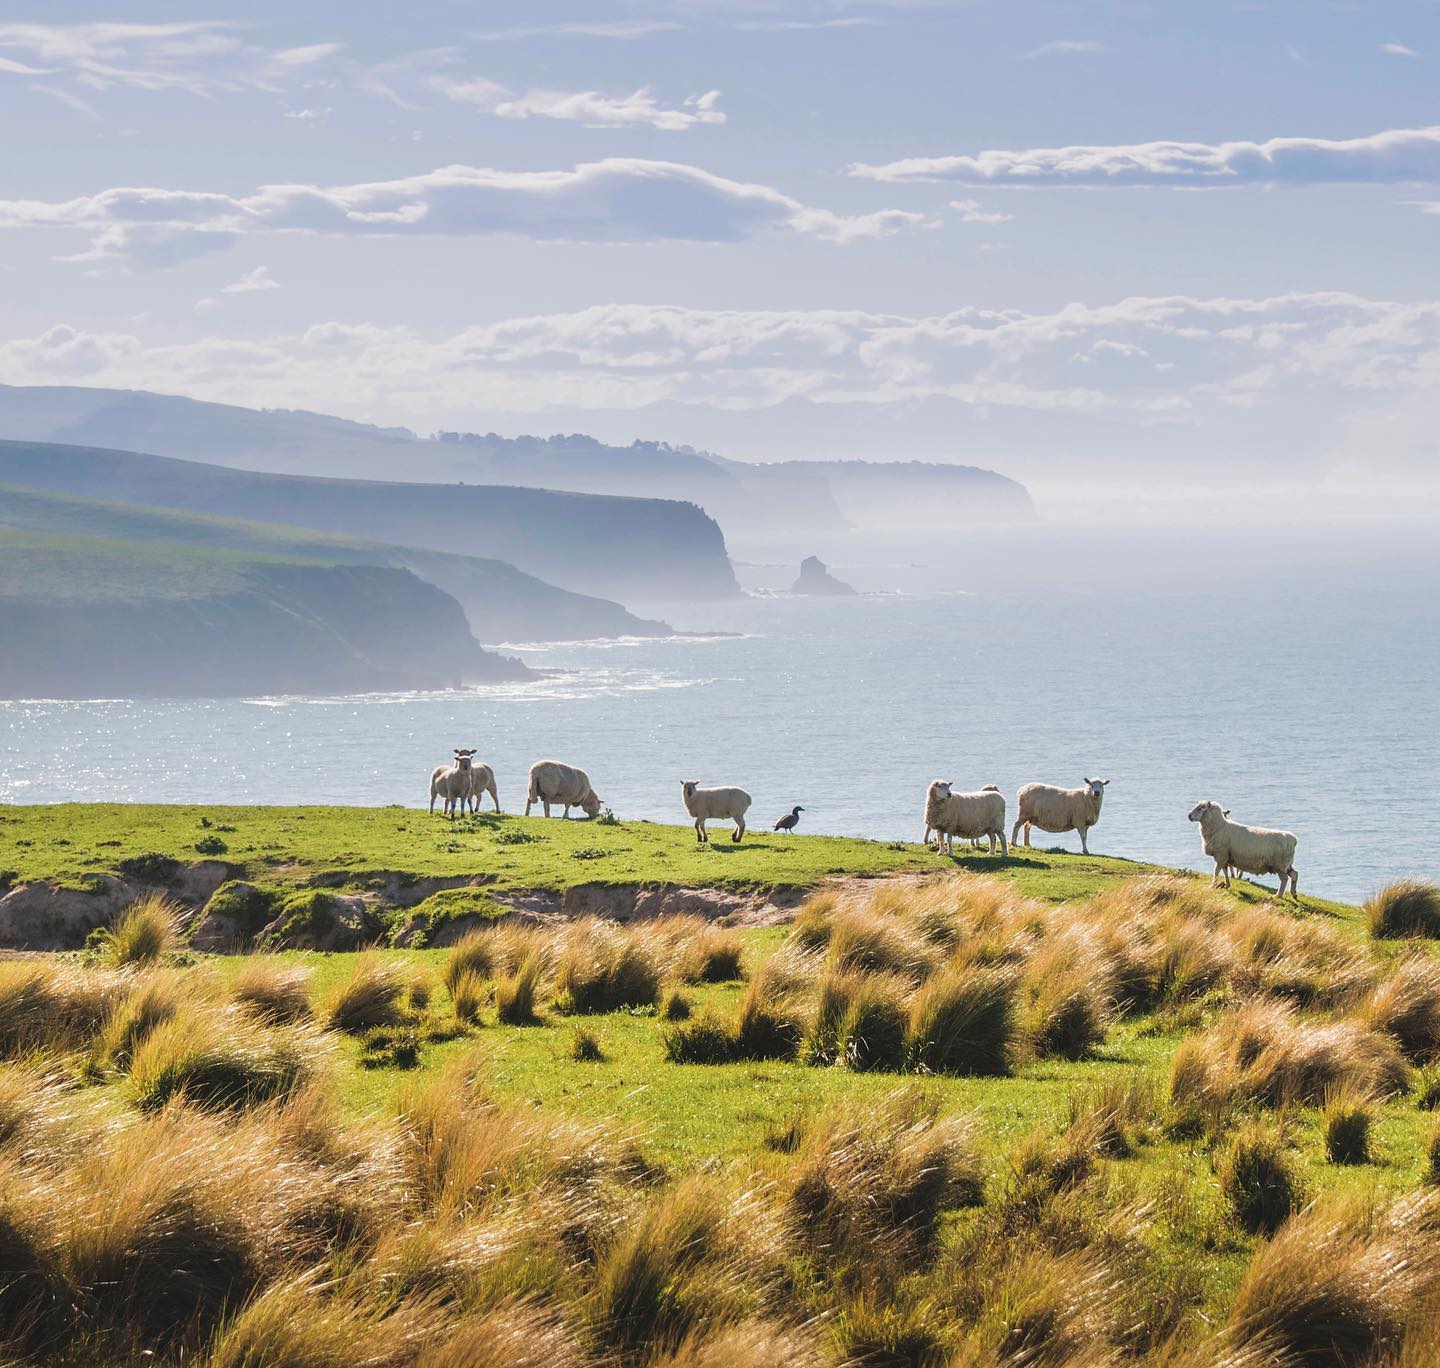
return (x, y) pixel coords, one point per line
(791, 820)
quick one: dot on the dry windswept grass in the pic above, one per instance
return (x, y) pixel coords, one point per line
(1408, 907)
(182, 1182)
(144, 931)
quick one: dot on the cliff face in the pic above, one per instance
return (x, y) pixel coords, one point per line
(84, 619)
(596, 544)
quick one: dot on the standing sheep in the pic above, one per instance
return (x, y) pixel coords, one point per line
(707, 804)
(452, 783)
(553, 782)
(970, 815)
(482, 780)
(1245, 849)
(1055, 809)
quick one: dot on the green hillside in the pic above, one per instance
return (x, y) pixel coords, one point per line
(501, 602)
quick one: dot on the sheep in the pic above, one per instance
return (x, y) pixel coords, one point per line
(1056, 809)
(1245, 849)
(553, 782)
(452, 783)
(971, 815)
(974, 840)
(482, 780)
(705, 804)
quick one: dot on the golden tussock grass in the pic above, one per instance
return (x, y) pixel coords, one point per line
(270, 990)
(370, 997)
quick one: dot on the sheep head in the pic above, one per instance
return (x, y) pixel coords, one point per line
(1207, 810)
(464, 757)
(590, 804)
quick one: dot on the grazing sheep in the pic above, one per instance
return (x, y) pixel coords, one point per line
(553, 782)
(1055, 809)
(715, 804)
(971, 815)
(452, 783)
(482, 780)
(1245, 849)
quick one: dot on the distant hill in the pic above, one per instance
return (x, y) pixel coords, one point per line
(617, 547)
(755, 501)
(501, 602)
(87, 617)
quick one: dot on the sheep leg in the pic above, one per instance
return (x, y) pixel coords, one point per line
(1294, 884)
(700, 830)
(1015, 832)
(739, 830)
(1027, 835)
(432, 802)
(496, 796)
(1084, 845)
(565, 816)
(546, 802)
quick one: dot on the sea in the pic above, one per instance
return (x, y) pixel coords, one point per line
(1293, 676)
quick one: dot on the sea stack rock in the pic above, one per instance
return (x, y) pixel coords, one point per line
(816, 579)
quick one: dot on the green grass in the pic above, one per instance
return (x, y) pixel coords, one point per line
(287, 847)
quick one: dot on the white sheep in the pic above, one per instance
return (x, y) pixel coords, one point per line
(1055, 809)
(970, 815)
(1245, 849)
(715, 804)
(482, 780)
(554, 782)
(452, 783)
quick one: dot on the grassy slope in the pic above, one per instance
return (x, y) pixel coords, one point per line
(691, 1116)
(287, 846)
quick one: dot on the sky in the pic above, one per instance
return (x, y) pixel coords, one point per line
(1171, 244)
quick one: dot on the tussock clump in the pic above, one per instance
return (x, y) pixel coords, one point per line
(1258, 1177)
(585, 1046)
(216, 1060)
(697, 951)
(1405, 1004)
(1337, 1284)
(474, 954)
(772, 1019)
(152, 1001)
(601, 967)
(144, 931)
(461, 1151)
(271, 991)
(1120, 1112)
(1347, 1120)
(516, 993)
(706, 1039)
(511, 1335)
(858, 1019)
(750, 1344)
(965, 1022)
(419, 991)
(1068, 996)
(1265, 1052)
(882, 1179)
(468, 998)
(865, 940)
(304, 1322)
(675, 1005)
(370, 997)
(1408, 907)
(47, 1005)
(1043, 1165)
(811, 928)
(698, 1256)
(1050, 1308)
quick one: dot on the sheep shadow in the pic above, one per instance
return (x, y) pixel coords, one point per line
(979, 864)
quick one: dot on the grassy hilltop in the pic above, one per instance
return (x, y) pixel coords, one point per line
(1048, 1110)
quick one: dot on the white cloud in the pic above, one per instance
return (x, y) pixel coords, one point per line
(1061, 46)
(252, 281)
(971, 211)
(309, 115)
(804, 25)
(619, 199)
(617, 28)
(1173, 361)
(588, 107)
(1398, 50)
(202, 57)
(1395, 156)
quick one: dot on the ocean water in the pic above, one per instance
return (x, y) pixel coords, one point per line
(1313, 707)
